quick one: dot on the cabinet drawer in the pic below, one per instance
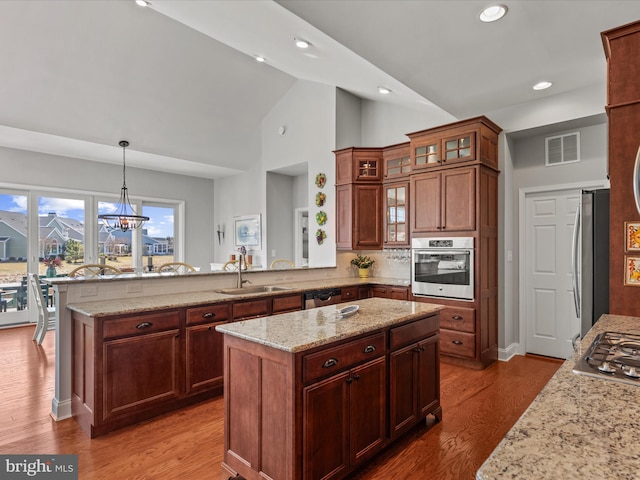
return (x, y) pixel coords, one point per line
(458, 343)
(350, 293)
(458, 318)
(342, 357)
(140, 324)
(254, 308)
(208, 313)
(287, 303)
(414, 331)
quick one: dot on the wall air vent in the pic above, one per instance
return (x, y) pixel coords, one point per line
(562, 149)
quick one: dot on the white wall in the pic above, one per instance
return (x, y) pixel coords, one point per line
(25, 169)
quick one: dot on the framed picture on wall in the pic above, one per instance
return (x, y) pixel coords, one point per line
(247, 231)
(632, 271)
(632, 236)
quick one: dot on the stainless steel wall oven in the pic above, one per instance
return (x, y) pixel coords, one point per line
(442, 267)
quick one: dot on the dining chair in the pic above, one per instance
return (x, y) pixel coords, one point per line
(46, 315)
(230, 266)
(94, 270)
(177, 267)
(281, 264)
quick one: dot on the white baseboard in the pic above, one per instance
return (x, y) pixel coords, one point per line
(506, 354)
(60, 410)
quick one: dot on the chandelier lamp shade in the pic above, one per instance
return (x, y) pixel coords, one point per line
(124, 217)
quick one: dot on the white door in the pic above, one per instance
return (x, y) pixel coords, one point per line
(551, 320)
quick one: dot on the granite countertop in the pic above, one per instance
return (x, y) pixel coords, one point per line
(134, 305)
(577, 427)
(299, 331)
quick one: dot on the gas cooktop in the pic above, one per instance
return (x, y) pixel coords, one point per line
(614, 356)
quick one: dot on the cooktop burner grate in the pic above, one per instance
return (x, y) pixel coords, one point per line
(614, 356)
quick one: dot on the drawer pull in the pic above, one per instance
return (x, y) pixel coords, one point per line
(208, 315)
(332, 362)
(457, 317)
(457, 342)
(369, 349)
(356, 376)
(144, 325)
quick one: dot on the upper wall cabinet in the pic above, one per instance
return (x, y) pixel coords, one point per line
(397, 161)
(358, 165)
(469, 141)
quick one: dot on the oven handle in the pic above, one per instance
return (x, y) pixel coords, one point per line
(574, 260)
(443, 251)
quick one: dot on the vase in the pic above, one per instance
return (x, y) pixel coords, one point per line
(363, 272)
(51, 272)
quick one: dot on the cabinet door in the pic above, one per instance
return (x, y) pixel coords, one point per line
(426, 152)
(344, 215)
(458, 199)
(402, 390)
(367, 217)
(399, 293)
(326, 439)
(140, 372)
(459, 148)
(204, 357)
(396, 214)
(425, 203)
(379, 291)
(367, 409)
(428, 375)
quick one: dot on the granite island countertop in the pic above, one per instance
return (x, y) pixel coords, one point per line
(305, 329)
(577, 427)
(149, 303)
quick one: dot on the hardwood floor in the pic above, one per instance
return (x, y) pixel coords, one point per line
(479, 407)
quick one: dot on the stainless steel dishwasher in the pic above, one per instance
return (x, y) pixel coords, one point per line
(320, 298)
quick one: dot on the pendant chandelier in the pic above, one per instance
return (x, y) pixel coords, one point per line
(124, 217)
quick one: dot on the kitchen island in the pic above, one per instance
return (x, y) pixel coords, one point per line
(578, 426)
(312, 394)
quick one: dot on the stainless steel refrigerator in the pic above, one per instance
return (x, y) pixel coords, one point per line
(591, 258)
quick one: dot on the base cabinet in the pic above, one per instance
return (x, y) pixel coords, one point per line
(319, 414)
(357, 428)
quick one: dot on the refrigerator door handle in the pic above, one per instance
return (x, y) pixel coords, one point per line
(574, 260)
(636, 180)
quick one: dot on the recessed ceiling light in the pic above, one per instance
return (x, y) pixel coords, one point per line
(143, 3)
(384, 90)
(300, 43)
(542, 85)
(493, 13)
(260, 58)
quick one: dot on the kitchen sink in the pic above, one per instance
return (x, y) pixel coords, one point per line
(253, 289)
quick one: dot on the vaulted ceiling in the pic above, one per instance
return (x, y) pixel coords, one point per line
(179, 79)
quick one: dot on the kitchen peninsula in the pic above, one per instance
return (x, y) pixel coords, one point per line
(577, 427)
(313, 394)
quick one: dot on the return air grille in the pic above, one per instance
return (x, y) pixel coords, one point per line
(562, 149)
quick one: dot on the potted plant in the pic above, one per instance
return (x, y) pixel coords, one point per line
(363, 263)
(51, 264)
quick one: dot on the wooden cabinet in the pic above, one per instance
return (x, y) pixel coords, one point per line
(622, 50)
(350, 293)
(444, 201)
(390, 291)
(359, 217)
(245, 309)
(356, 399)
(396, 214)
(469, 141)
(397, 161)
(358, 165)
(287, 303)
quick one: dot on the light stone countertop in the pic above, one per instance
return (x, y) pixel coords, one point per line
(299, 331)
(128, 306)
(578, 427)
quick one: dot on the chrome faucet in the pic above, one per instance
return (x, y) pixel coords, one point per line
(241, 261)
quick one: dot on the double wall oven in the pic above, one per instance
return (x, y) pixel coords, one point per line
(443, 267)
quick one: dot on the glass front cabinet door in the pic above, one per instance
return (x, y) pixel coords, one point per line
(396, 214)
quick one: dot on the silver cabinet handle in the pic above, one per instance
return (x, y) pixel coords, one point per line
(636, 181)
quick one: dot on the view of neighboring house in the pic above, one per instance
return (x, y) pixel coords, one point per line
(55, 231)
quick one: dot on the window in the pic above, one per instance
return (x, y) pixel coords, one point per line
(158, 234)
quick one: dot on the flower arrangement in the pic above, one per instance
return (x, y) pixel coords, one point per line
(362, 261)
(52, 262)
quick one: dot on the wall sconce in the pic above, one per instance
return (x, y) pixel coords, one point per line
(220, 233)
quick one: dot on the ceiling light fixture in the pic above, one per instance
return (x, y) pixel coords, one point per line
(260, 58)
(542, 85)
(124, 216)
(384, 90)
(143, 3)
(300, 43)
(493, 13)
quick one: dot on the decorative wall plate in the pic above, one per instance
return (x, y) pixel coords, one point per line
(320, 199)
(320, 236)
(321, 180)
(321, 217)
